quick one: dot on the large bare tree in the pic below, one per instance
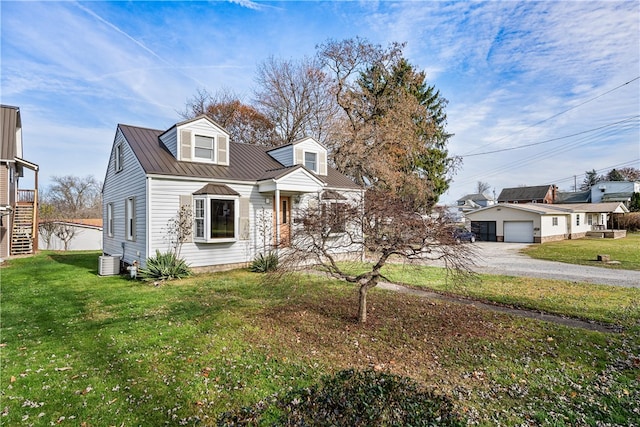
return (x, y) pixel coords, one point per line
(296, 96)
(244, 123)
(73, 197)
(383, 227)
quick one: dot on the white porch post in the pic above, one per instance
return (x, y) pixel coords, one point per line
(277, 211)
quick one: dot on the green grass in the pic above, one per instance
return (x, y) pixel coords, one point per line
(600, 303)
(79, 349)
(585, 251)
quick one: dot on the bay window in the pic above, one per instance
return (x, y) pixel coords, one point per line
(215, 219)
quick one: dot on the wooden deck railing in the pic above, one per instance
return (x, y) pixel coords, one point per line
(26, 196)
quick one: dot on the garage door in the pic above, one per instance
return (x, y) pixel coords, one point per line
(485, 230)
(518, 231)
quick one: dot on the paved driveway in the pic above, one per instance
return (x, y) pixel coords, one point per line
(505, 259)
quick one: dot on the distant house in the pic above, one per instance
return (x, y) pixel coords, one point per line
(471, 202)
(537, 194)
(242, 198)
(18, 207)
(573, 197)
(540, 222)
(87, 235)
(614, 191)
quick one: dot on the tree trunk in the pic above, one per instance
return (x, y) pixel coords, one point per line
(362, 304)
(362, 299)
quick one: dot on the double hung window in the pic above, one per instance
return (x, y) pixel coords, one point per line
(130, 218)
(204, 148)
(311, 161)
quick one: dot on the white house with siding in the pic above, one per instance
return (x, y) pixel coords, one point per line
(242, 197)
(540, 223)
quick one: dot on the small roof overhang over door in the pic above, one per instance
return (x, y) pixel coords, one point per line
(295, 179)
(216, 189)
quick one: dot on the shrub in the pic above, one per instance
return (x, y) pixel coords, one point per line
(165, 266)
(265, 263)
(629, 222)
(354, 398)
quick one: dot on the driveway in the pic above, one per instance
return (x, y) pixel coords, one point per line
(505, 259)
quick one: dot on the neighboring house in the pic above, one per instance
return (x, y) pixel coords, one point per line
(18, 207)
(86, 235)
(565, 197)
(614, 191)
(540, 223)
(242, 197)
(536, 194)
(471, 202)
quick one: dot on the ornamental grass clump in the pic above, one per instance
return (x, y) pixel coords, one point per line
(265, 263)
(165, 266)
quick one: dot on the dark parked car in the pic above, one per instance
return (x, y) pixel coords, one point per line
(464, 235)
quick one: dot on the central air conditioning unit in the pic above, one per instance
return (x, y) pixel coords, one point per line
(109, 265)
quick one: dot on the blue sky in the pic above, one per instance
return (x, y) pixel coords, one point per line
(560, 78)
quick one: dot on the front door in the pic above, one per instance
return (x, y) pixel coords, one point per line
(283, 223)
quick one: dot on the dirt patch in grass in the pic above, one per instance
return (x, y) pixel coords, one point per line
(403, 335)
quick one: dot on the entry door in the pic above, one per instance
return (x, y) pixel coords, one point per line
(283, 222)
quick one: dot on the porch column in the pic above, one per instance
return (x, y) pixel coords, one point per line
(277, 211)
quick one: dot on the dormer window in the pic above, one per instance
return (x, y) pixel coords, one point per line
(204, 148)
(311, 161)
(200, 141)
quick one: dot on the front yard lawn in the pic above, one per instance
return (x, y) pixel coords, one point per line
(82, 350)
(626, 251)
(600, 303)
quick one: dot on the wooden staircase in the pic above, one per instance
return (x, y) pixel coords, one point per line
(23, 229)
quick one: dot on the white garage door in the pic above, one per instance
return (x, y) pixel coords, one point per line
(518, 231)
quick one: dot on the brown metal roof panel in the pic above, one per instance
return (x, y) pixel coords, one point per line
(246, 162)
(10, 120)
(217, 189)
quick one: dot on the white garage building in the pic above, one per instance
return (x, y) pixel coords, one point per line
(539, 223)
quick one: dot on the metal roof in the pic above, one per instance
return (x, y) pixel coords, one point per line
(246, 162)
(217, 189)
(524, 193)
(9, 122)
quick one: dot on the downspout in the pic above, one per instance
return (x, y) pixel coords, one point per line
(277, 211)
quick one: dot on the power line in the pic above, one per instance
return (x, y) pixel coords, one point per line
(583, 140)
(552, 139)
(557, 114)
(606, 168)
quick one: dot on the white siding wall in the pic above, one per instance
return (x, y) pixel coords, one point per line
(578, 230)
(170, 140)
(129, 182)
(298, 181)
(340, 242)
(164, 205)
(547, 229)
(284, 155)
(310, 145)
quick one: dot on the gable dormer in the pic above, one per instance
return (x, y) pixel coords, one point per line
(307, 152)
(198, 140)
